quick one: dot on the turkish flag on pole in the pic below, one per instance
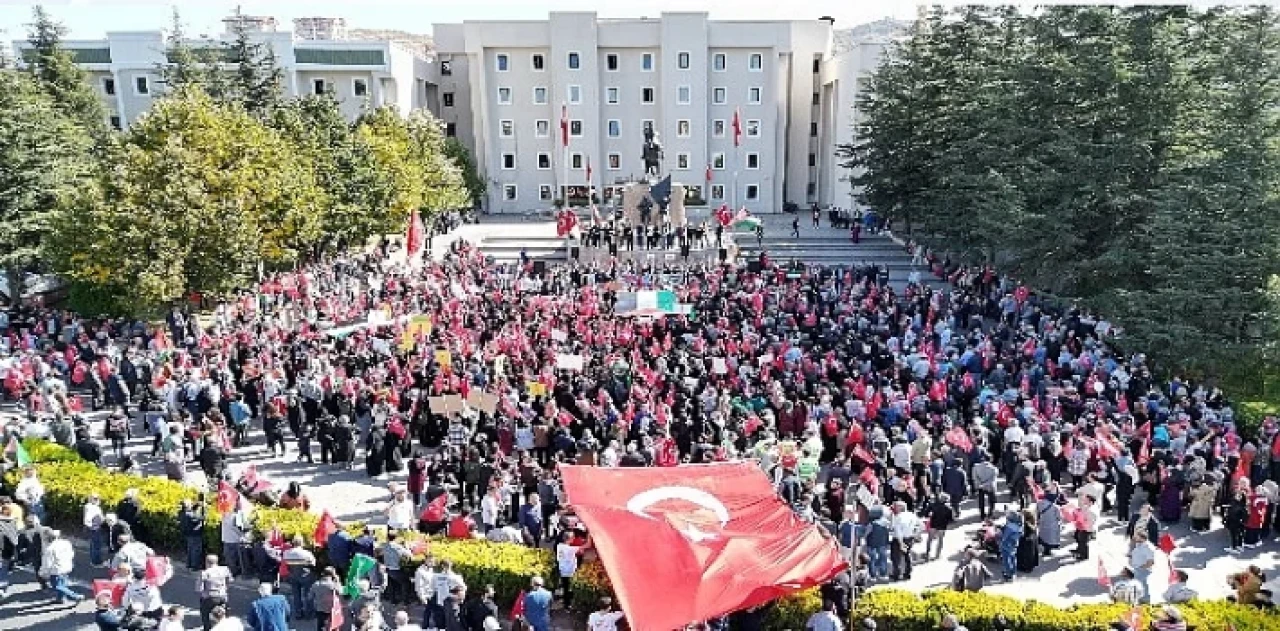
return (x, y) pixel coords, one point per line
(689, 543)
(564, 125)
(588, 171)
(737, 127)
(708, 171)
(326, 527)
(413, 241)
(227, 497)
(336, 619)
(437, 510)
(1104, 579)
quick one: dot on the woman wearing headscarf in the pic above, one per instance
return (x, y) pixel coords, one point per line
(1010, 538)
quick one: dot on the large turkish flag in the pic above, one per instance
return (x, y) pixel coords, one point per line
(689, 543)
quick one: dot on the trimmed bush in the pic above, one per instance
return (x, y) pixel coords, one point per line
(897, 610)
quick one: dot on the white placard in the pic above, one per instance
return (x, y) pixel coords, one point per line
(719, 366)
(558, 335)
(569, 362)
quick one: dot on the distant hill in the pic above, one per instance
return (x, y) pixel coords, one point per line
(878, 31)
(416, 40)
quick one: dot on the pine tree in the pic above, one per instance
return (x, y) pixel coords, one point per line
(258, 81)
(182, 67)
(59, 75)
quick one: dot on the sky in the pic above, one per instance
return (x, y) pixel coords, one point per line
(91, 19)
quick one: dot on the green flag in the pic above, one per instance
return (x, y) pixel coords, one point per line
(361, 565)
(19, 452)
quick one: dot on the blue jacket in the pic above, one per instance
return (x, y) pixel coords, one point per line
(339, 545)
(537, 609)
(269, 613)
(531, 518)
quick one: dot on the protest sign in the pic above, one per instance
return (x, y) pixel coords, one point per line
(569, 362)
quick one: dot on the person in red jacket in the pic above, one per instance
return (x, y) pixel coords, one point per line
(1256, 523)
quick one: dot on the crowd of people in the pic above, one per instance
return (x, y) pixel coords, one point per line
(879, 413)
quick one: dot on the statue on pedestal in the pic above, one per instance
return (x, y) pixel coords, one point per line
(652, 152)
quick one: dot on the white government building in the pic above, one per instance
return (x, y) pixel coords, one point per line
(501, 86)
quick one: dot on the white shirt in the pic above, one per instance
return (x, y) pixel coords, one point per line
(901, 456)
(58, 558)
(134, 553)
(1013, 434)
(400, 514)
(601, 621)
(168, 624)
(29, 490)
(904, 525)
(567, 558)
(92, 516)
(1141, 555)
(228, 624)
(490, 507)
(144, 594)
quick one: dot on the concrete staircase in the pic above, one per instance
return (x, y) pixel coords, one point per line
(833, 247)
(505, 249)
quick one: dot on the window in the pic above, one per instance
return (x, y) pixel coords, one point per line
(615, 161)
(507, 128)
(811, 189)
(450, 130)
(646, 95)
(813, 129)
(539, 64)
(575, 128)
(109, 86)
(813, 159)
(575, 161)
(544, 161)
(753, 95)
(718, 63)
(544, 192)
(717, 128)
(753, 160)
(755, 63)
(611, 96)
(504, 96)
(575, 61)
(753, 128)
(717, 191)
(115, 123)
(682, 61)
(611, 62)
(717, 161)
(817, 65)
(575, 94)
(502, 62)
(684, 95)
(318, 86)
(359, 87)
(141, 85)
(646, 62)
(683, 129)
(647, 124)
(817, 99)
(718, 96)
(508, 161)
(615, 128)
(447, 99)
(540, 95)
(753, 192)
(509, 192)
(542, 128)
(682, 161)
(446, 68)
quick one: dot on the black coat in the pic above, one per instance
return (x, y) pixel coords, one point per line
(130, 513)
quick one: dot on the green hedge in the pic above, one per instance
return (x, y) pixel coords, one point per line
(897, 610)
(68, 482)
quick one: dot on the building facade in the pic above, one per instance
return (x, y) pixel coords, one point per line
(845, 76)
(124, 70)
(505, 88)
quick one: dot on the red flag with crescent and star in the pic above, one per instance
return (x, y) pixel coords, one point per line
(695, 542)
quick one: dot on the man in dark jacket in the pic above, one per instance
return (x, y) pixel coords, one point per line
(955, 484)
(453, 615)
(130, 512)
(31, 543)
(88, 449)
(479, 608)
(191, 524)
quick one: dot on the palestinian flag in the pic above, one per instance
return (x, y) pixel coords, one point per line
(361, 565)
(16, 452)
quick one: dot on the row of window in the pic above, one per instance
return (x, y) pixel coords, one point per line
(613, 161)
(613, 95)
(612, 63)
(142, 87)
(511, 192)
(613, 128)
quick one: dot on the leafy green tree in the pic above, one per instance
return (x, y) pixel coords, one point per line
(360, 194)
(183, 67)
(476, 186)
(198, 195)
(59, 75)
(44, 157)
(411, 152)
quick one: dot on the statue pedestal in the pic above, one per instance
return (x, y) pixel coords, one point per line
(634, 192)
